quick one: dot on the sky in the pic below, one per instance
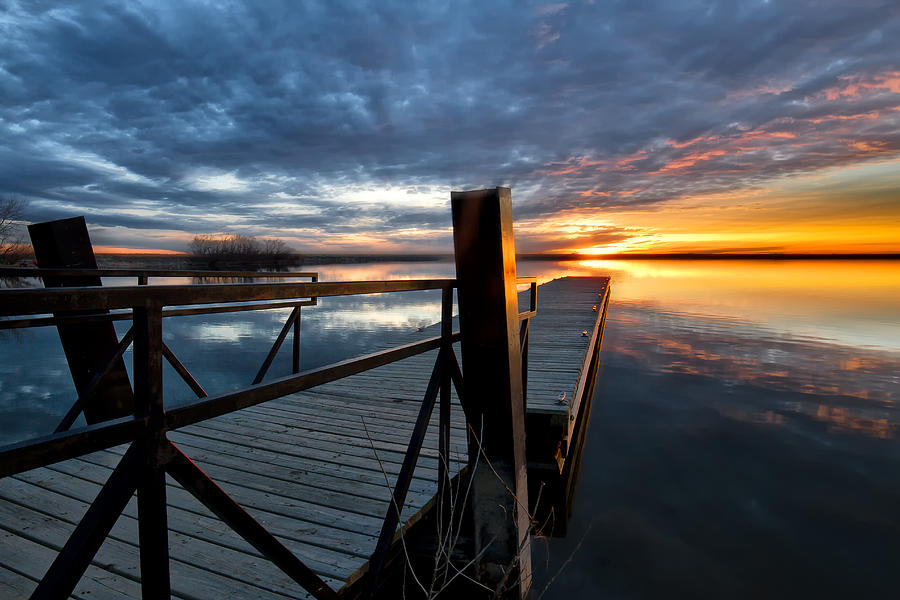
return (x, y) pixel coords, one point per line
(632, 126)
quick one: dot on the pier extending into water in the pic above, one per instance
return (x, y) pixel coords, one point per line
(326, 483)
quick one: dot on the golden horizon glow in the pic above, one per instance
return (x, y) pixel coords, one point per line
(118, 250)
(846, 210)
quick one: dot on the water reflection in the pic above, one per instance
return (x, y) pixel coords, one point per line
(222, 351)
(852, 302)
(859, 385)
(743, 441)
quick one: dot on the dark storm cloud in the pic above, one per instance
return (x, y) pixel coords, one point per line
(202, 116)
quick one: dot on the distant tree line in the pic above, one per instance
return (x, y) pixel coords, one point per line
(240, 248)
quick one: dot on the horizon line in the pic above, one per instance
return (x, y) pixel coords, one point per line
(576, 256)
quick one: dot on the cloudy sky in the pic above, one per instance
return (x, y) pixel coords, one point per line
(342, 126)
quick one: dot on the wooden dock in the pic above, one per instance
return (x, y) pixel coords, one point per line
(325, 483)
(315, 468)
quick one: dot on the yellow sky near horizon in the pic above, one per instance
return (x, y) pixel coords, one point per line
(842, 210)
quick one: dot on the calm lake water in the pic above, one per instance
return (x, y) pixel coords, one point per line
(743, 440)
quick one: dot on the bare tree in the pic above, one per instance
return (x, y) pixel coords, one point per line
(12, 249)
(275, 248)
(234, 245)
(237, 246)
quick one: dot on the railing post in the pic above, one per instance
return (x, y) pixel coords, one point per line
(523, 344)
(151, 489)
(444, 422)
(492, 369)
(295, 355)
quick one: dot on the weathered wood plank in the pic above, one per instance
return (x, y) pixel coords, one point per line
(193, 562)
(352, 543)
(57, 496)
(14, 585)
(25, 561)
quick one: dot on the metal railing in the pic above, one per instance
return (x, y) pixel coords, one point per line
(151, 455)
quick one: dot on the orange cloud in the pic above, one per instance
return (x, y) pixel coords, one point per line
(626, 162)
(578, 165)
(854, 86)
(866, 116)
(768, 135)
(690, 160)
(871, 147)
(675, 144)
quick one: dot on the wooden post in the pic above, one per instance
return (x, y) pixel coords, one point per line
(88, 346)
(443, 497)
(151, 489)
(295, 347)
(492, 369)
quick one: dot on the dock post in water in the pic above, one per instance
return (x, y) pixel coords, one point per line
(91, 347)
(493, 402)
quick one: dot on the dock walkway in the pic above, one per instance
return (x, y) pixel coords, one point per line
(314, 467)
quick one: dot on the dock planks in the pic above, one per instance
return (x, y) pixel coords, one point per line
(315, 468)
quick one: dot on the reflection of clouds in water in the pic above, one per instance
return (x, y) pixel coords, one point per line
(749, 322)
(384, 271)
(377, 316)
(850, 301)
(29, 404)
(849, 388)
(224, 332)
(35, 386)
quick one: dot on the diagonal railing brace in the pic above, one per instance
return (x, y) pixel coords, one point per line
(72, 561)
(182, 371)
(91, 387)
(198, 483)
(398, 499)
(295, 314)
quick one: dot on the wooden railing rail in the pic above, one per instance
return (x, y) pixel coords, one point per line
(125, 314)
(524, 319)
(531, 282)
(42, 301)
(147, 273)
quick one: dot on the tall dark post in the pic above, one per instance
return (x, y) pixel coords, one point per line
(491, 357)
(151, 490)
(88, 346)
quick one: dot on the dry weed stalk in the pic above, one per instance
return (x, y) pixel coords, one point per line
(445, 570)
